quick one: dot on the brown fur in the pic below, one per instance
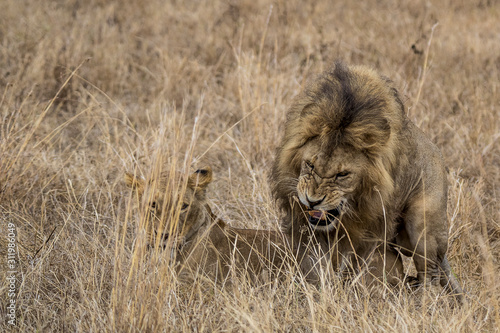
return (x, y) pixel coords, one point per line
(203, 243)
(350, 152)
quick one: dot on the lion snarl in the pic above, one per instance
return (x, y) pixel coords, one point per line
(361, 176)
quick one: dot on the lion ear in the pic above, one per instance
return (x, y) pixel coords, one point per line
(369, 134)
(135, 183)
(200, 179)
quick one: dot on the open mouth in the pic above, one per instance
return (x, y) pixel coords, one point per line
(322, 218)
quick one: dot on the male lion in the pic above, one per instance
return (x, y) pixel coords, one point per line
(364, 179)
(201, 242)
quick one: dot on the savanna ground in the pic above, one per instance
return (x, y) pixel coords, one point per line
(91, 89)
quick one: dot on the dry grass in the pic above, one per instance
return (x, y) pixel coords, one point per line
(91, 89)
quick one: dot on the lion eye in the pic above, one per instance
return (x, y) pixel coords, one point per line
(184, 206)
(153, 204)
(309, 165)
(342, 174)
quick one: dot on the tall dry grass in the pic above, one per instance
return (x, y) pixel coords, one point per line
(92, 89)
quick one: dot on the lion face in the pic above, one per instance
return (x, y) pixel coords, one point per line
(175, 211)
(328, 182)
(338, 150)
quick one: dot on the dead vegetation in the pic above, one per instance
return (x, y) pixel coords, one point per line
(89, 90)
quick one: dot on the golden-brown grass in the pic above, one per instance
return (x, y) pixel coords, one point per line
(89, 90)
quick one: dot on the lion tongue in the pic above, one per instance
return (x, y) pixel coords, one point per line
(317, 214)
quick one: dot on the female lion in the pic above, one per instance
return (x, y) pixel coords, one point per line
(202, 243)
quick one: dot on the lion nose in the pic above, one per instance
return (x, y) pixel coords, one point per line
(311, 203)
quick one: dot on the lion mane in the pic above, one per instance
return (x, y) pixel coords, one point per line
(348, 144)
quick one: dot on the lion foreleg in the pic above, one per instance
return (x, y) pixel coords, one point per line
(449, 281)
(426, 244)
(386, 266)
